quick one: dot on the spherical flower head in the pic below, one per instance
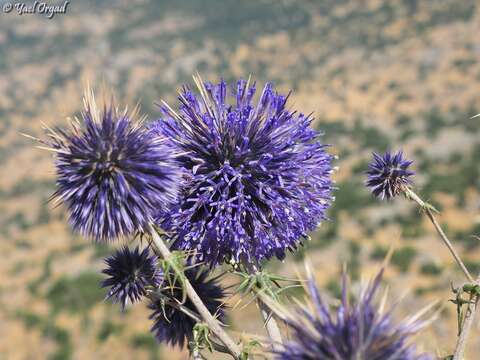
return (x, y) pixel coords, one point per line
(258, 177)
(388, 175)
(131, 273)
(112, 174)
(359, 330)
(173, 326)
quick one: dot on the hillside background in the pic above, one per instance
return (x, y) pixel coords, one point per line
(377, 75)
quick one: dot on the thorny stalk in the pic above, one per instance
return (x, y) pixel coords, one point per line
(472, 302)
(212, 323)
(271, 324)
(466, 325)
(428, 210)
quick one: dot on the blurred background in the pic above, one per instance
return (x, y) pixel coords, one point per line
(400, 74)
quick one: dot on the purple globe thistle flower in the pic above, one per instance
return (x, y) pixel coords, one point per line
(130, 274)
(258, 177)
(354, 331)
(388, 175)
(112, 174)
(173, 326)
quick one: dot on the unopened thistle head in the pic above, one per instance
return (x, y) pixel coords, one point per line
(358, 330)
(131, 273)
(259, 178)
(173, 326)
(388, 175)
(112, 174)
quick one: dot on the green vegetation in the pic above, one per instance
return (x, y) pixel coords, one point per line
(460, 177)
(109, 328)
(217, 22)
(464, 64)
(431, 269)
(354, 262)
(378, 253)
(473, 266)
(51, 331)
(62, 338)
(76, 294)
(44, 276)
(146, 341)
(334, 288)
(101, 250)
(434, 122)
(422, 290)
(470, 239)
(411, 224)
(403, 258)
(351, 196)
(29, 319)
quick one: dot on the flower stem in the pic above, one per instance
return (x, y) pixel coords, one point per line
(466, 326)
(272, 307)
(195, 354)
(271, 324)
(428, 210)
(194, 316)
(473, 300)
(212, 323)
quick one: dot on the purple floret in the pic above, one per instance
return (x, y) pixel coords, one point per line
(258, 179)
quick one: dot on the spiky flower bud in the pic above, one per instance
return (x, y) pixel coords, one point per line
(112, 174)
(130, 273)
(173, 326)
(388, 175)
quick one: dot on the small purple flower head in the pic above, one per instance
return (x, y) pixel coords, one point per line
(354, 331)
(112, 174)
(130, 274)
(259, 178)
(173, 326)
(388, 175)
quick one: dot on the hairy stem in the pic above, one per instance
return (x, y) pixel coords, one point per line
(427, 208)
(272, 307)
(466, 326)
(271, 324)
(212, 323)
